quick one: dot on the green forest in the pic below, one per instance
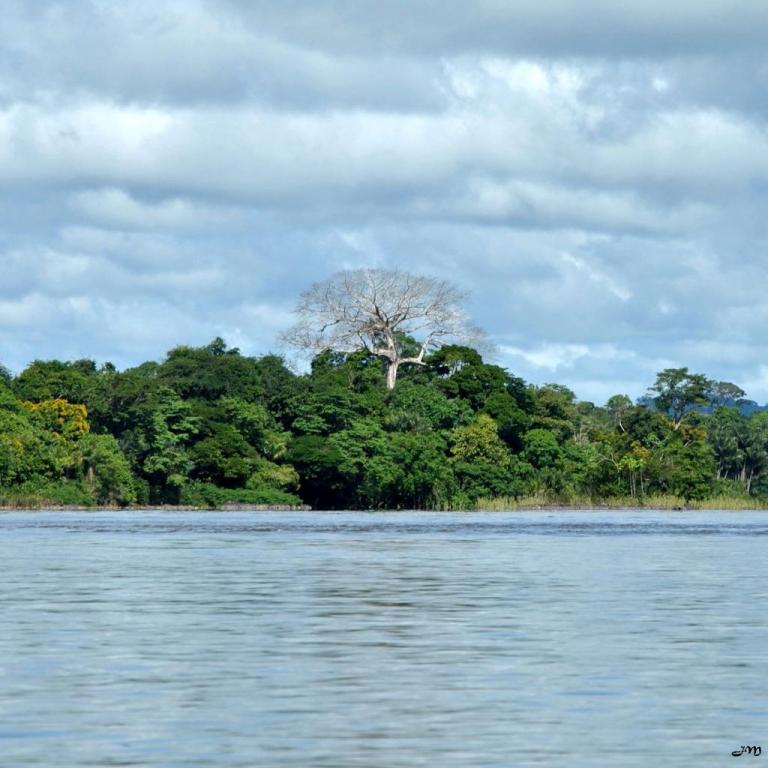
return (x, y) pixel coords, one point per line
(209, 426)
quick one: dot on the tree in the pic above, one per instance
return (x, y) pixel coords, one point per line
(209, 372)
(157, 442)
(421, 408)
(52, 380)
(726, 432)
(679, 392)
(511, 420)
(68, 421)
(619, 406)
(690, 469)
(391, 314)
(725, 393)
(544, 453)
(27, 452)
(555, 410)
(634, 463)
(317, 461)
(482, 464)
(542, 450)
(476, 381)
(107, 471)
(406, 470)
(479, 442)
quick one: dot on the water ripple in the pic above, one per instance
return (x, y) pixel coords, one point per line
(548, 638)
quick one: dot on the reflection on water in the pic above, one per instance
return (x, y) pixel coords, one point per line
(388, 639)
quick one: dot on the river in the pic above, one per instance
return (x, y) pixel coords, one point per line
(385, 640)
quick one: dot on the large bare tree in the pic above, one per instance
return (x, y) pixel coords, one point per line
(376, 309)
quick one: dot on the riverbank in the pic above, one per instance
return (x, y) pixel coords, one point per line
(41, 506)
(528, 504)
(72, 496)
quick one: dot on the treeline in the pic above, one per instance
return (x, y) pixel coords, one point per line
(209, 426)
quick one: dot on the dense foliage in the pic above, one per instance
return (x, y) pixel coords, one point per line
(209, 426)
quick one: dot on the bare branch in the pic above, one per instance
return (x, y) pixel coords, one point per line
(374, 309)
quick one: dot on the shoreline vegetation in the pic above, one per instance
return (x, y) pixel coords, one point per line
(525, 504)
(210, 428)
(660, 502)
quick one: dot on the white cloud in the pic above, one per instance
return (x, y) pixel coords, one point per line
(596, 276)
(554, 356)
(116, 208)
(174, 170)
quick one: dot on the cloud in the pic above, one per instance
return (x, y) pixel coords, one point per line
(597, 277)
(593, 28)
(191, 53)
(554, 356)
(595, 174)
(116, 208)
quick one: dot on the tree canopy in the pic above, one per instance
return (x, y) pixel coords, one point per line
(209, 425)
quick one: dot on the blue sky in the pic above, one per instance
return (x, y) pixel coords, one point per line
(595, 174)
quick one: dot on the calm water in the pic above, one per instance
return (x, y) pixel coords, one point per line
(382, 640)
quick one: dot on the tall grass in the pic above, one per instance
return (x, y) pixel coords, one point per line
(543, 501)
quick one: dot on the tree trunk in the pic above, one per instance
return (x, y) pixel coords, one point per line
(392, 373)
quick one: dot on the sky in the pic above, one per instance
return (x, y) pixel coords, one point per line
(593, 173)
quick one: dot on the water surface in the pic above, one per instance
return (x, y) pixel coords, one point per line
(382, 639)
